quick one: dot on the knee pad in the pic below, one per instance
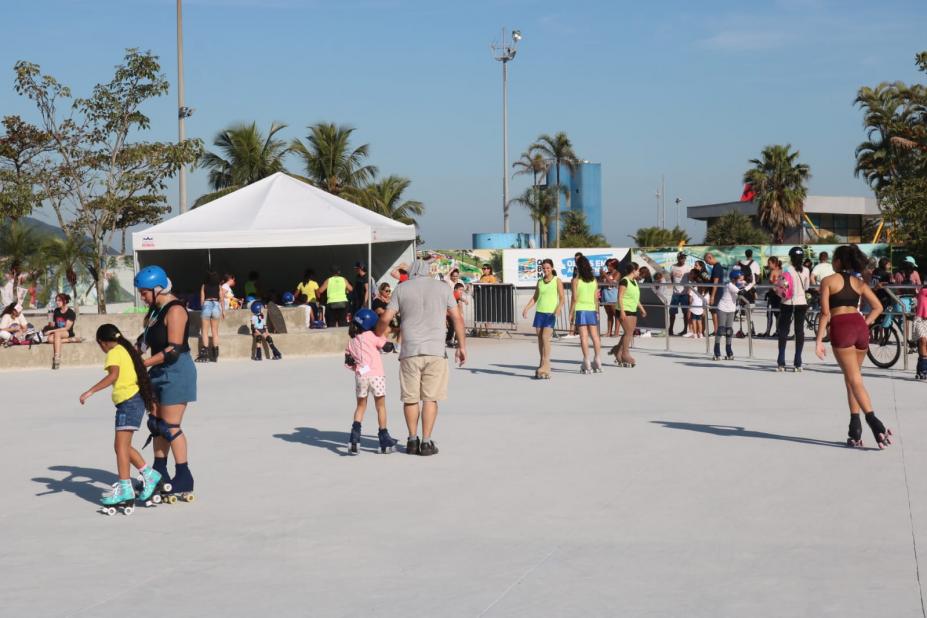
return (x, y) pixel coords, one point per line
(728, 331)
(164, 430)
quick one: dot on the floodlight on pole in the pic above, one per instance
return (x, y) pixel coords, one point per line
(505, 53)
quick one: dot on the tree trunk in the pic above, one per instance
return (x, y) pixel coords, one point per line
(557, 203)
(99, 284)
(123, 241)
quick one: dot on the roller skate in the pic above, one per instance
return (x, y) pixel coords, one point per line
(596, 366)
(354, 440)
(413, 446)
(855, 434)
(585, 368)
(717, 354)
(277, 354)
(797, 369)
(180, 487)
(780, 368)
(428, 448)
(921, 371)
(728, 353)
(882, 435)
(387, 442)
(121, 498)
(203, 356)
(150, 482)
(256, 355)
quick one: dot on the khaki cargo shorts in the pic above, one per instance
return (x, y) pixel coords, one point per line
(423, 378)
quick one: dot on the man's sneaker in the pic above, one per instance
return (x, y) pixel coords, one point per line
(428, 448)
(413, 445)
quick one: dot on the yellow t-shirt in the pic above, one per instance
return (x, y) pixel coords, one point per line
(126, 385)
(310, 290)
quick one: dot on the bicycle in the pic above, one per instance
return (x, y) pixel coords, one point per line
(885, 336)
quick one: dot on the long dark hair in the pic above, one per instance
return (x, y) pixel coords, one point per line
(850, 258)
(629, 268)
(8, 309)
(109, 332)
(212, 278)
(584, 269)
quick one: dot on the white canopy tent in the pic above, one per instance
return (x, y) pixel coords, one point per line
(278, 226)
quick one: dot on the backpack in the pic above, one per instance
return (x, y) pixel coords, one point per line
(747, 271)
(785, 286)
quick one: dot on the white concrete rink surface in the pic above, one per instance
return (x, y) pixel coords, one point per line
(681, 487)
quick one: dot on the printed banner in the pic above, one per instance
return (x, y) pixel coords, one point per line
(522, 267)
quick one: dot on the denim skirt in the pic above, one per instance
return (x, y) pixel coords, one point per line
(175, 383)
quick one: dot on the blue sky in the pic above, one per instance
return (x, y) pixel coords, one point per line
(689, 90)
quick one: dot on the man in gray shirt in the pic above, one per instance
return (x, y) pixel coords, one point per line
(424, 304)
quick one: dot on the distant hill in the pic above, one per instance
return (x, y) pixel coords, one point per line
(46, 229)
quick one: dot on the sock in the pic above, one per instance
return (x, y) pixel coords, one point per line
(144, 468)
(160, 464)
(413, 436)
(426, 439)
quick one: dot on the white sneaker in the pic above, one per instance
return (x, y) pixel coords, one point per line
(688, 336)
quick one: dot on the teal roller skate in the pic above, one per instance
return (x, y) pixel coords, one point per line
(150, 479)
(122, 498)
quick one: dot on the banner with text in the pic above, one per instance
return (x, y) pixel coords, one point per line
(522, 267)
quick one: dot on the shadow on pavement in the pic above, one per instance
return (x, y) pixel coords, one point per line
(82, 482)
(334, 441)
(739, 432)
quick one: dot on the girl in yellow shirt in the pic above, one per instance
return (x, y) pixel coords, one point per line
(133, 395)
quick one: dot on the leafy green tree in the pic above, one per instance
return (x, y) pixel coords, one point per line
(660, 237)
(21, 147)
(734, 228)
(576, 232)
(98, 173)
(558, 149)
(385, 197)
(893, 159)
(329, 160)
(780, 185)
(243, 155)
(541, 207)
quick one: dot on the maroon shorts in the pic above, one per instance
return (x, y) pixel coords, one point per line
(849, 330)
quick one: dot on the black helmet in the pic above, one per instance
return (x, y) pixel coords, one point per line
(796, 252)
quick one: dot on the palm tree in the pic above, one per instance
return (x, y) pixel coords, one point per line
(531, 163)
(66, 255)
(330, 162)
(20, 250)
(385, 198)
(779, 182)
(243, 156)
(541, 206)
(890, 119)
(660, 237)
(558, 149)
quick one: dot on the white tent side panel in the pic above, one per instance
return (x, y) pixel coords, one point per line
(250, 239)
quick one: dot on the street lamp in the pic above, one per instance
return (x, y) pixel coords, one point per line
(505, 53)
(678, 202)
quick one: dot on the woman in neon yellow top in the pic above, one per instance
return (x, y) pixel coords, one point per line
(548, 296)
(629, 303)
(337, 289)
(584, 313)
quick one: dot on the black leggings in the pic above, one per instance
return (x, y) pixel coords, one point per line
(336, 317)
(785, 319)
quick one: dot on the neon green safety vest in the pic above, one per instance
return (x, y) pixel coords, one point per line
(585, 295)
(632, 295)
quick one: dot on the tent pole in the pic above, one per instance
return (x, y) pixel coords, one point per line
(369, 275)
(135, 267)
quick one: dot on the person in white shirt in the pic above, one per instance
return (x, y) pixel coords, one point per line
(12, 322)
(727, 309)
(678, 277)
(823, 269)
(791, 288)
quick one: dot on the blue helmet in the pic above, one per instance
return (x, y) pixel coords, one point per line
(250, 298)
(366, 319)
(152, 278)
(735, 274)
(257, 307)
(288, 298)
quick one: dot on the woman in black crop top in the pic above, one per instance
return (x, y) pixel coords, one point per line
(849, 337)
(172, 373)
(212, 301)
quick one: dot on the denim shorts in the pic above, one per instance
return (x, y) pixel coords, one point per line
(678, 301)
(175, 383)
(129, 413)
(211, 310)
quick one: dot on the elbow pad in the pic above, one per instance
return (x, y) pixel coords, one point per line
(170, 357)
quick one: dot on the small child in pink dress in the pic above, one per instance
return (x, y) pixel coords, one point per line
(362, 355)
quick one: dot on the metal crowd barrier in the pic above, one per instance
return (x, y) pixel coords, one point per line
(491, 307)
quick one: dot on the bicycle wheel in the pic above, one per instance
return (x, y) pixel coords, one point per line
(884, 346)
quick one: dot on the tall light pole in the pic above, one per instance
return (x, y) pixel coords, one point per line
(678, 202)
(182, 110)
(505, 53)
